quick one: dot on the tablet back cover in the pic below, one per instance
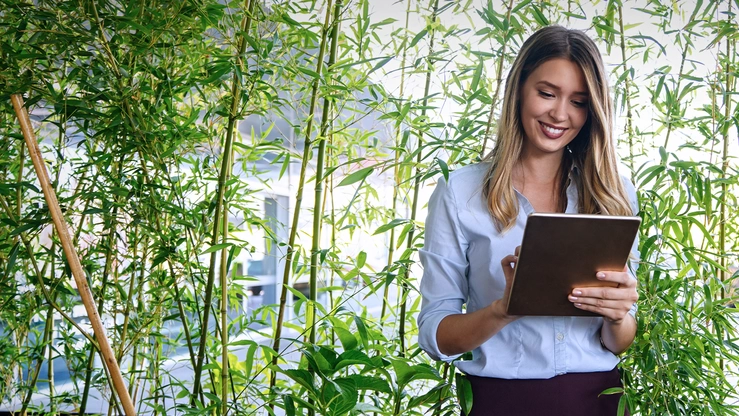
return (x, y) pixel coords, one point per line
(562, 251)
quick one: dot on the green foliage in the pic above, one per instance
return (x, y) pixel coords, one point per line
(134, 101)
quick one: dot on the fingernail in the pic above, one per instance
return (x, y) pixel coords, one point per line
(572, 298)
(577, 293)
(600, 275)
(578, 304)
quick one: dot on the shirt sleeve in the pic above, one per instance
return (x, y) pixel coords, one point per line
(634, 257)
(444, 285)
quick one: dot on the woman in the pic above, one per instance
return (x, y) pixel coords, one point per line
(554, 153)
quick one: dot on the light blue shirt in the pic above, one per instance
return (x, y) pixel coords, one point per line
(461, 260)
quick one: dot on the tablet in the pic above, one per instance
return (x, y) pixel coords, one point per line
(560, 252)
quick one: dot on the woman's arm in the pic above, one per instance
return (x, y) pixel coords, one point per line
(617, 337)
(460, 333)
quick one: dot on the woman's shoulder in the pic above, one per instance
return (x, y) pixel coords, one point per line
(469, 176)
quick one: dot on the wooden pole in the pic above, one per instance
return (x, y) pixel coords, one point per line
(71, 254)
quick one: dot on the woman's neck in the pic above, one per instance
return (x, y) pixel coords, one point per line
(538, 179)
(539, 170)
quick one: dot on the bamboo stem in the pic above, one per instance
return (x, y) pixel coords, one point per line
(227, 146)
(40, 360)
(724, 275)
(396, 166)
(298, 201)
(71, 255)
(498, 83)
(416, 185)
(317, 211)
(627, 93)
(224, 298)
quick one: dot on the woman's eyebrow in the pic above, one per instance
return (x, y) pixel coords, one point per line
(555, 87)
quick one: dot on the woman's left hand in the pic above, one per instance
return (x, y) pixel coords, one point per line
(613, 303)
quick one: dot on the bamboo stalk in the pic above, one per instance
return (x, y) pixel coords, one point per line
(298, 201)
(103, 286)
(317, 211)
(224, 297)
(416, 185)
(227, 146)
(71, 255)
(37, 371)
(627, 93)
(724, 275)
(133, 387)
(498, 83)
(396, 165)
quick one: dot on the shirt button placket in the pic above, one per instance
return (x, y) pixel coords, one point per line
(560, 351)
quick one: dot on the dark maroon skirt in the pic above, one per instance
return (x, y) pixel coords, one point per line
(574, 394)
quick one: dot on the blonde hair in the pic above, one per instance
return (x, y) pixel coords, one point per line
(592, 152)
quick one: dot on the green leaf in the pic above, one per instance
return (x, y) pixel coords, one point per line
(361, 259)
(357, 176)
(302, 377)
(353, 357)
(381, 64)
(343, 395)
(216, 247)
(311, 73)
(476, 76)
(520, 6)
(444, 168)
(539, 16)
(392, 224)
(370, 383)
(417, 38)
(348, 340)
(464, 392)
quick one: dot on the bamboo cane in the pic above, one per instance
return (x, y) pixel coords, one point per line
(498, 82)
(417, 184)
(396, 166)
(298, 201)
(317, 211)
(71, 255)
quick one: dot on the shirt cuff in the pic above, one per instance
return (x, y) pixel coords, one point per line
(427, 338)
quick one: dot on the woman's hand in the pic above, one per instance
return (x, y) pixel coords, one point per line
(462, 332)
(613, 303)
(508, 263)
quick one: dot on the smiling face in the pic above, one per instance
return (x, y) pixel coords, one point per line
(554, 106)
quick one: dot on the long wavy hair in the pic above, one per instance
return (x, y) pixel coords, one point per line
(592, 152)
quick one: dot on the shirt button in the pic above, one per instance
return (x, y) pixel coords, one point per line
(560, 336)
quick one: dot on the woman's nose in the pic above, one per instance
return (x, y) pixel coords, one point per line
(558, 112)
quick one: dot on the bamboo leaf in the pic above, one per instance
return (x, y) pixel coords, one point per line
(417, 38)
(217, 247)
(357, 176)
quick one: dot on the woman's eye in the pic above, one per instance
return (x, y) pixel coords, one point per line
(546, 94)
(579, 103)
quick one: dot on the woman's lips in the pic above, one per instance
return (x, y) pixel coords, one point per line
(551, 132)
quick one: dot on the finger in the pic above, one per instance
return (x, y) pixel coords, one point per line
(600, 304)
(509, 261)
(622, 278)
(517, 251)
(612, 314)
(610, 293)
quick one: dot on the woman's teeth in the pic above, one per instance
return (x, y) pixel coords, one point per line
(553, 130)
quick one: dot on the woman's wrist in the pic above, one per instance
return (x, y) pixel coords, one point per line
(498, 311)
